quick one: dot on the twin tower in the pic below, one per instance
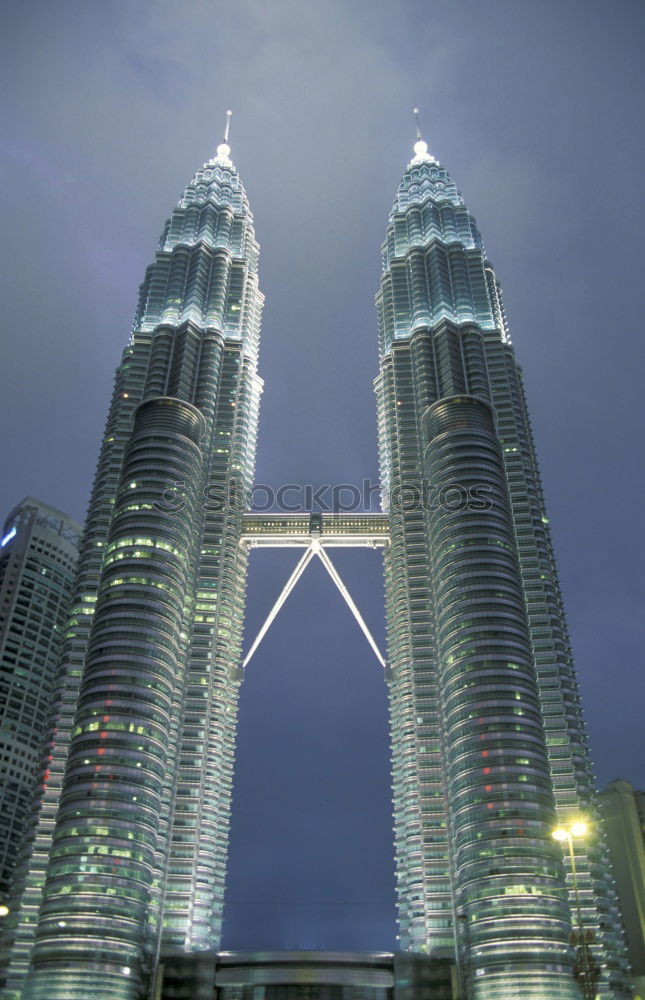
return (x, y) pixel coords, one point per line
(128, 847)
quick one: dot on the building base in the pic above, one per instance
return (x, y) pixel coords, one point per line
(304, 975)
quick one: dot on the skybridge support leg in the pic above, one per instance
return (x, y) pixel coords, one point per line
(331, 569)
(303, 562)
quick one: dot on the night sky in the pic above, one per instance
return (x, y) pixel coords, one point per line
(109, 107)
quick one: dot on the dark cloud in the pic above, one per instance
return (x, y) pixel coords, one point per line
(108, 109)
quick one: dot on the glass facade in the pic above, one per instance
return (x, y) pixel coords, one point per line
(488, 739)
(141, 756)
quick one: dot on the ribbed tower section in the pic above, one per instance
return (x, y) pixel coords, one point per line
(141, 755)
(488, 739)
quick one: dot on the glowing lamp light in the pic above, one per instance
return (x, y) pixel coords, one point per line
(576, 829)
(4, 910)
(223, 151)
(420, 147)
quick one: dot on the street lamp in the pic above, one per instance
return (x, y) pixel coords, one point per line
(586, 970)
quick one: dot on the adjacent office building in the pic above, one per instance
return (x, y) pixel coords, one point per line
(624, 822)
(128, 857)
(38, 554)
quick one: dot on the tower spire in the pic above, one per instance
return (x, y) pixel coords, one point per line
(420, 147)
(415, 112)
(223, 150)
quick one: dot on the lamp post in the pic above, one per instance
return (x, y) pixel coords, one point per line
(586, 970)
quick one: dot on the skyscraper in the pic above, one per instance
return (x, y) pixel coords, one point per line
(487, 730)
(134, 816)
(38, 555)
(149, 677)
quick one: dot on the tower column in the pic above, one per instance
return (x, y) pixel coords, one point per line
(507, 885)
(96, 897)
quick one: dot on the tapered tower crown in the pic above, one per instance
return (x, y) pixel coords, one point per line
(434, 263)
(206, 267)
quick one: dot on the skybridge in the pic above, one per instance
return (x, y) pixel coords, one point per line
(315, 533)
